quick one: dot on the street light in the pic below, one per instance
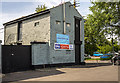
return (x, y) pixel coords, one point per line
(114, 25)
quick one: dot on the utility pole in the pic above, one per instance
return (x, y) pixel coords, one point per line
(112, 42)
(74, 4)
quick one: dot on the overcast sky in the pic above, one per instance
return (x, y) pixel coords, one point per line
(12, 9)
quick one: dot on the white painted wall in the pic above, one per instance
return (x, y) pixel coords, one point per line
(30, 33)
(40, 33)
(10, 34)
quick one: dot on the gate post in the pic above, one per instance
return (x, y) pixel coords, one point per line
(0, 62)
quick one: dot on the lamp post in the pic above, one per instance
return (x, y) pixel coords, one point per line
(114, 25)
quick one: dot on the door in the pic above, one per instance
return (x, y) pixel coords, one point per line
(77, 41)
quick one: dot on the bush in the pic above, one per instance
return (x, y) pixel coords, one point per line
(105, 58)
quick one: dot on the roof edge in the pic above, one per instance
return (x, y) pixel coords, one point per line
(27, 17)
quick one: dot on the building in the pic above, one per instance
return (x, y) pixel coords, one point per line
(0, 58)
(56, 35)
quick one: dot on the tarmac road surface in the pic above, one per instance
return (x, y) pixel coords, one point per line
(90, 72)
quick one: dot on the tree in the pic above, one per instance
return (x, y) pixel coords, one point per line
(109, 12)
(41, 8)
(104, 49)
(98, 25)
(94, 34)
(107, 48)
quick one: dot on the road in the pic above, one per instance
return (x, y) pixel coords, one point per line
(91, 72)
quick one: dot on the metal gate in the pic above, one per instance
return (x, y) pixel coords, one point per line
(16, 58)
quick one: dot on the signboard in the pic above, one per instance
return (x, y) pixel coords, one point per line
(62, 39)
(71, 47)
(58, 46)
(64, 46)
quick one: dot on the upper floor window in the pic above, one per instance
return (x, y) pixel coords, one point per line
(36, 24)
(58, 22)
(68, 24)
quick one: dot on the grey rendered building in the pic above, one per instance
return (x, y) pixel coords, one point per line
(57, 35)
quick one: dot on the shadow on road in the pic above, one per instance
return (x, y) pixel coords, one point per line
(90, 65)
(17, 76)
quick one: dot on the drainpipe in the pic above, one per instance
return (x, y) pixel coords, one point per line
(64, 18)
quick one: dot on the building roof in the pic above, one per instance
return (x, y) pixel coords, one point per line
(34, 15)
(27, 17)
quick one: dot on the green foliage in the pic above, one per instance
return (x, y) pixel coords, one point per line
(106, 13)
(93, 59)
(98, 26)
(105, 58)
(109, 58)
(116, 47)
(41, 8)
(104, 49)
(108, 48)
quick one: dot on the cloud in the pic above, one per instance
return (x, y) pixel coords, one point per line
(45, 0)
(49, 3)
(57, 1)
(84, 11)
(29, 9)
(84, 8)
(18, 0)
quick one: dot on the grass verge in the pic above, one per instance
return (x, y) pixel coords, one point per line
(98, 59)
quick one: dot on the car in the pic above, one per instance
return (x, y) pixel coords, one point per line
(97, 54)
(104, 56)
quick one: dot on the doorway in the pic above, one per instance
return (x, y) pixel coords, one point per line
(77, 41)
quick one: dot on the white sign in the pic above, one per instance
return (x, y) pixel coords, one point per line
(58, 46)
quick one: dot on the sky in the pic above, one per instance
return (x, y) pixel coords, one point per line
(13, 9)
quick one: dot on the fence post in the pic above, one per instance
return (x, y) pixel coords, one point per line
(0, 62)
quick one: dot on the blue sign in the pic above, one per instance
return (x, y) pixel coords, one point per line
(57, 46)
(62, 39)
(71, 47)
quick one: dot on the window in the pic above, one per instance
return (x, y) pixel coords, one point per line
(58, 22)
(68, 24)
(36, 24)
(19, 31)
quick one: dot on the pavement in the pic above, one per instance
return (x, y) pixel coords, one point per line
(89, 72)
